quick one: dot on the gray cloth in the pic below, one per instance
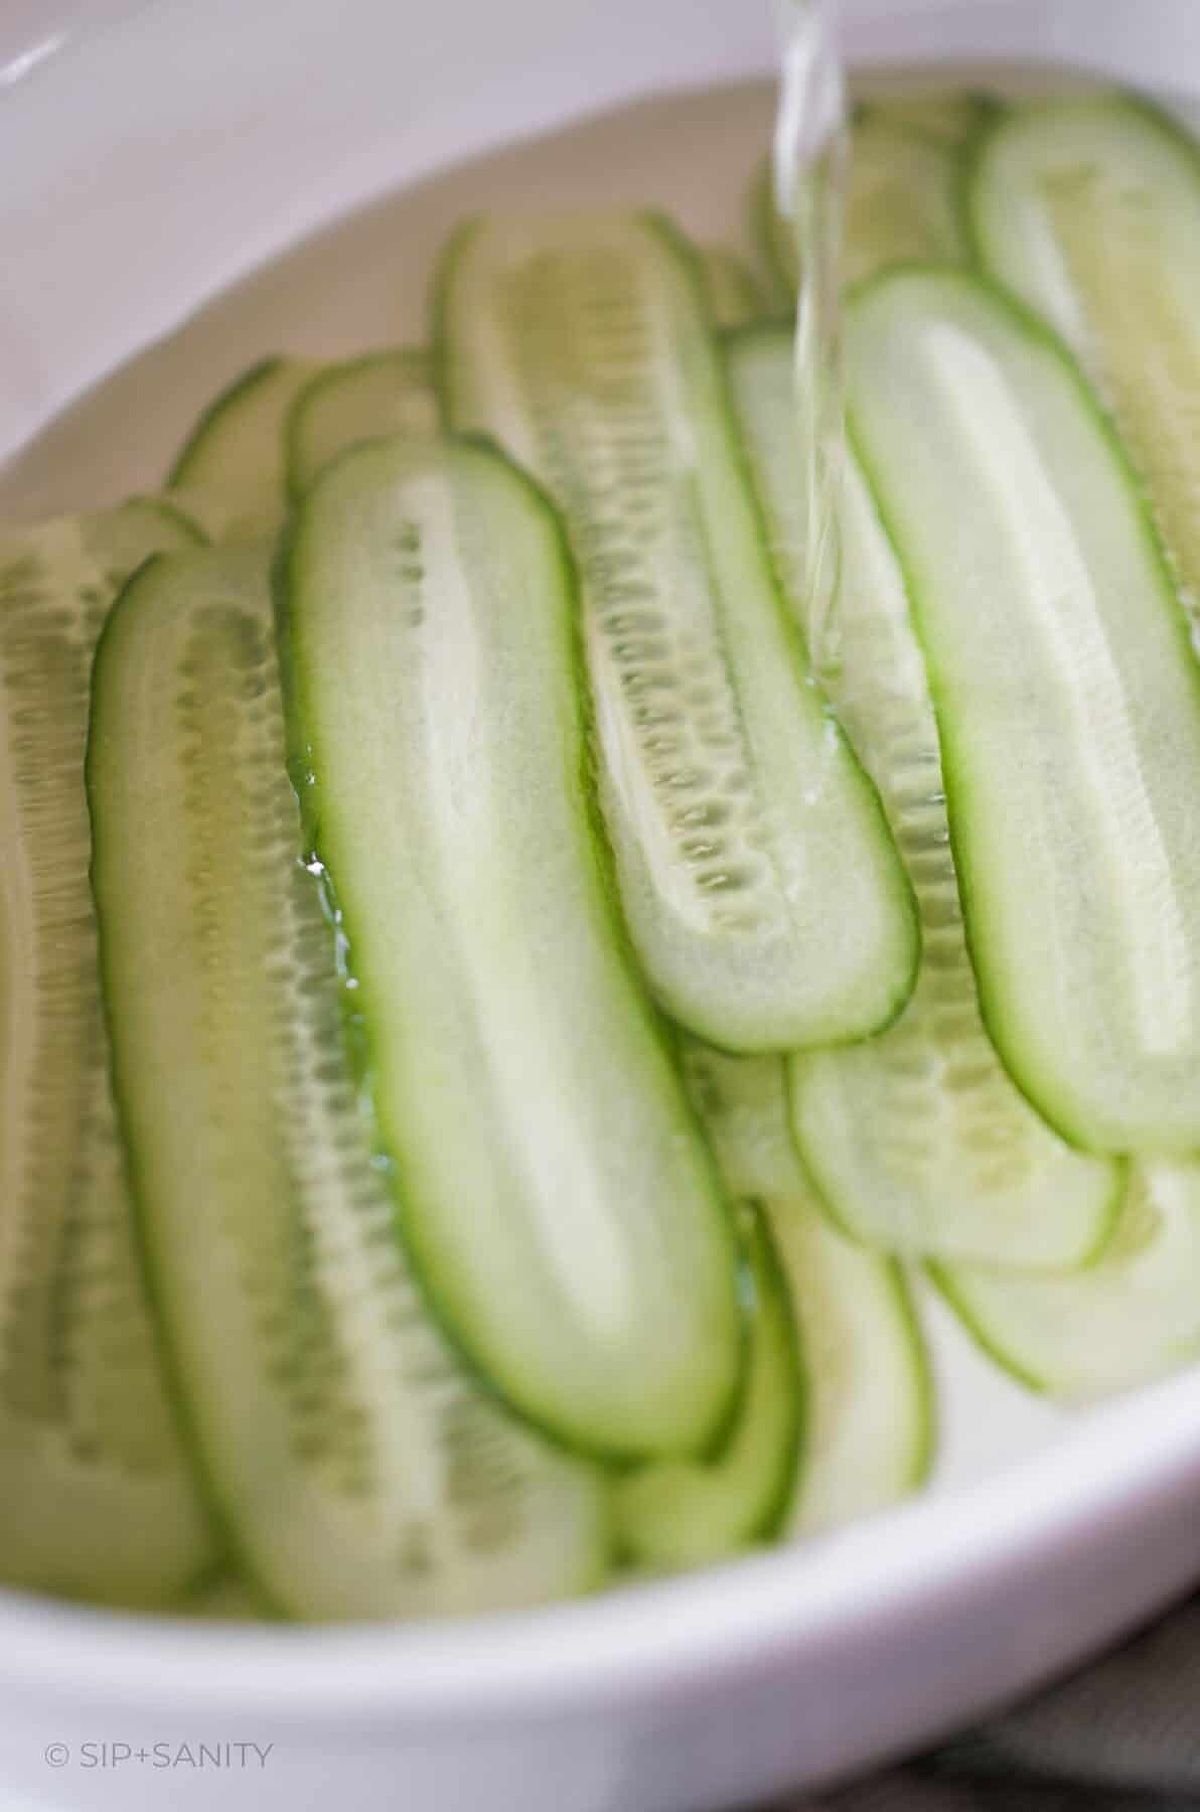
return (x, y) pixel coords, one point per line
(1122, 1736)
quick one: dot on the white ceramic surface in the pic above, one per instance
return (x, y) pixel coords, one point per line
(153, 153)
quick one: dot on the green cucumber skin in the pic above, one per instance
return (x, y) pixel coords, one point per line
(1102, 1136)
(434, 1271)
(880, 872)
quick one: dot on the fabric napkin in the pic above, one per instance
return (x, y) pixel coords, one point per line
(1122, 1736)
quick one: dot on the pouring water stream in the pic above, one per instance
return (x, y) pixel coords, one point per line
(808, 165)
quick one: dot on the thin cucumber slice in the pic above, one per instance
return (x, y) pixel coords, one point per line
(869, 1429)
(96, 1500)
(762, 890)
(684, 1514)
(1067, 699)
(918, 1139)
(871, 1432)
(1089, 209)
(557, 1198)
(363, 399)
(902, 203)
(231, 471)
(735, 296)
(1132, 1317)
(359, 1471)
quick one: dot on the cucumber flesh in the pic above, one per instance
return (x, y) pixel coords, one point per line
(762, 891)
(363, 399)
(1067, 698)
(735, 297)
(231, 471)
(917, 1138)
(868, 1430)
(1132, 1317)
(685, 1514)
(1089, 209)
(96, 1500)
(559, 1202)
(359, 1471)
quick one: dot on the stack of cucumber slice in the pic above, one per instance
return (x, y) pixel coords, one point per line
(546, 1002)
(1010, 656)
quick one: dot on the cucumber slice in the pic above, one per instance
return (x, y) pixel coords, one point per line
(871, 1433)
(735, 296)
(558, 1201)
(685, 1514)
(868, 1396)
(762, 890)
(1067, 699)
(231, 470)
(363, 399)
(1132, 1317)
(360, 1473)
(918, 1139)
(1089, 209)
(902, 203)
(96, 1500)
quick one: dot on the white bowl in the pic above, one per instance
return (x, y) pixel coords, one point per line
(152, 155)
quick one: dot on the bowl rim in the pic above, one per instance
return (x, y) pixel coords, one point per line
(858, 1583)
